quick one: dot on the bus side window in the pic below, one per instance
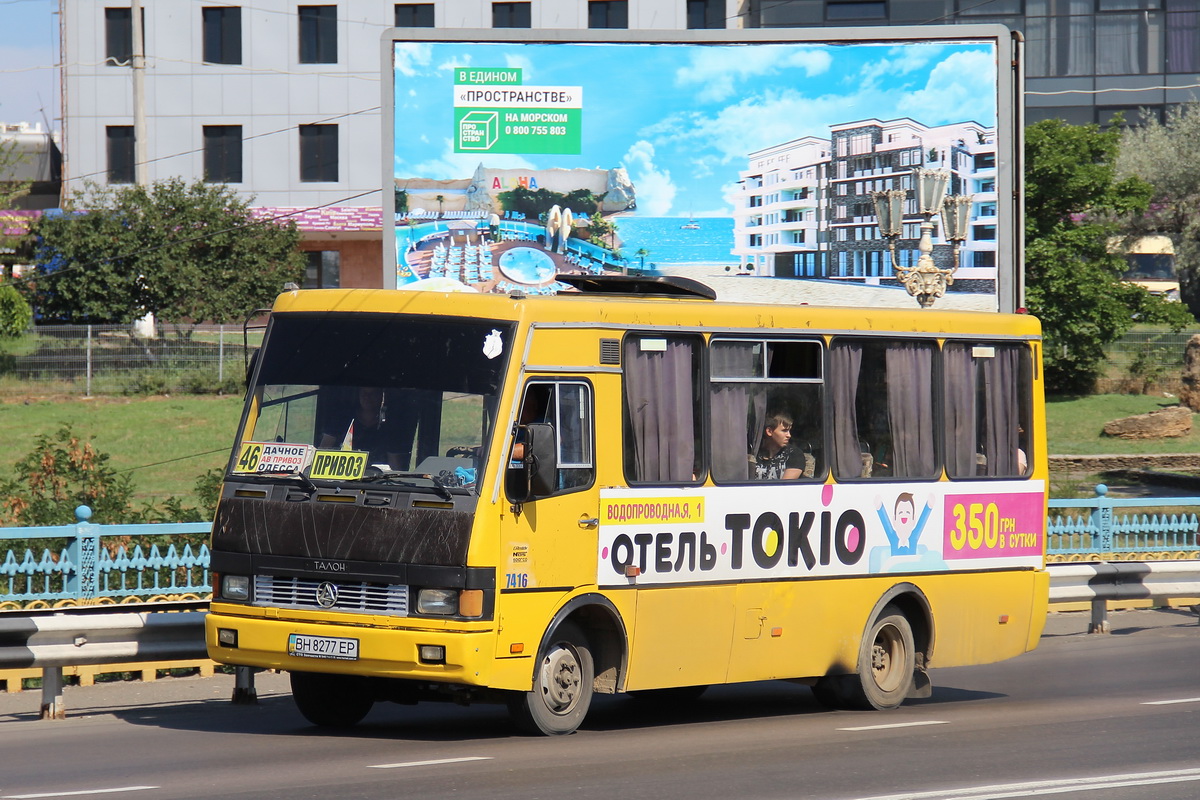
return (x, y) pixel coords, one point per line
(567, 406)
(883, 409)
(988, 391)
(661, 375)
(765, 410)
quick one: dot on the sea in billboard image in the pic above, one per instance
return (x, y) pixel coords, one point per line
(751, 167)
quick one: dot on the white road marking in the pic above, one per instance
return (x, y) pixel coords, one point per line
(434, 762)
(1001, 791)
(897, 725)
(1172, 702)
(80, 793)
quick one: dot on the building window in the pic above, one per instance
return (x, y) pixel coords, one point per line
(414, 15)
(608, 14)
(318, 34)
(318, 153)
(324, 269)
(223, 153)
(222, 34)
(120, 153)
(1060, 46)
(118, 37)
(705, 14)
(1128, 44)
(511, 15)
(1183, 36)
(855, 9)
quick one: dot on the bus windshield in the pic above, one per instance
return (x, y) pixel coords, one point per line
(373, 396)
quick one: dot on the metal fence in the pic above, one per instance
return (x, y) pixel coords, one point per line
(86, 564)
(1098, 532)
(1146, 360)
(119, 359)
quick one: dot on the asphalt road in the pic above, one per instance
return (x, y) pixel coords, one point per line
(1109, 717)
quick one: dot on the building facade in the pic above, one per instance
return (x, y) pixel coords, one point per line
(805, 208)
(280, 99)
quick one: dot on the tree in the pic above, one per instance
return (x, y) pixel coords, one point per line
(1073, 282)
(182, 252)
(1167, 156)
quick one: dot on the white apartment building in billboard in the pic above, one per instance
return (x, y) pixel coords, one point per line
(804, 207)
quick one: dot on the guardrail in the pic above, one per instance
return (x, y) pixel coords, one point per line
(102, 563)
(51, 642)
(1099, 582)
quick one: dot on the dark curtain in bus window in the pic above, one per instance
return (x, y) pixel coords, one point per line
(737, 410)
(910, 409)
(661, 402)
(845, 363)
(1001, 414)
(958, 375)
(987, 391)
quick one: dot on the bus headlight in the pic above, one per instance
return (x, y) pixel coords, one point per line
(437, 601)
(235, 587)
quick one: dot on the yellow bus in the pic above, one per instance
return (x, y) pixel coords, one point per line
(629, 488)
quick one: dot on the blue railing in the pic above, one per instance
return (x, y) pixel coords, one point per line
(89, 563)
(1098, 530)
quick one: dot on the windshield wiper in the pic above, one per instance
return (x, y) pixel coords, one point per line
(396, 477)
(306, 484)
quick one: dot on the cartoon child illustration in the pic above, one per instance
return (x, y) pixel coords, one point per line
(904, 528)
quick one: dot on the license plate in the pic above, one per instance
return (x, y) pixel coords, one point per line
(322, 647)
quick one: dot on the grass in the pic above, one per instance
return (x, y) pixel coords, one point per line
(165, 443)
(1074, 426)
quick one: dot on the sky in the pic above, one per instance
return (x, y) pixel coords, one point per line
(682, 119)
(28, 53)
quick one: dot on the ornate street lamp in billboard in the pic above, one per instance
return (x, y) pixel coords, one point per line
(925, 281)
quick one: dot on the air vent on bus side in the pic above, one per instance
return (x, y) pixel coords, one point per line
(610, 351)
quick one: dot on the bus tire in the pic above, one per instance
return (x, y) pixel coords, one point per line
(886, 661)
(331, 701)
(562, 686)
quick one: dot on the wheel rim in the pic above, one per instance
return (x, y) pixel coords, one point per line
(888, 658)
(560, 679)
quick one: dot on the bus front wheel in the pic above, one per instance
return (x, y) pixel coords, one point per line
(562, 686)
(331, 701)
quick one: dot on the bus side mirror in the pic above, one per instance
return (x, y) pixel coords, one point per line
(541, 459)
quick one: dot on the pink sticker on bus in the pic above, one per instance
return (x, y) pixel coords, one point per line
(993, 525)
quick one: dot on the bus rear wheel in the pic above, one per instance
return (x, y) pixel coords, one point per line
(886, 663)
(562, 686)
(331, 701)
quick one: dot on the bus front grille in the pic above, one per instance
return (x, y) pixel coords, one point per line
(363, 598)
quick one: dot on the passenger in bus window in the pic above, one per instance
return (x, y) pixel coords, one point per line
(777, 457)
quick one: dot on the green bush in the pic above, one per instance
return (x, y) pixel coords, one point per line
(208, 381)
(146, 381)
(15, 314)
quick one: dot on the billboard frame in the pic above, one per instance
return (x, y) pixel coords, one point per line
(1009, 106)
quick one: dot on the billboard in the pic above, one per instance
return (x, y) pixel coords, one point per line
(752, 161)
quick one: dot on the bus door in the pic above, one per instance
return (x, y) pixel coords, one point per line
(548, 534)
